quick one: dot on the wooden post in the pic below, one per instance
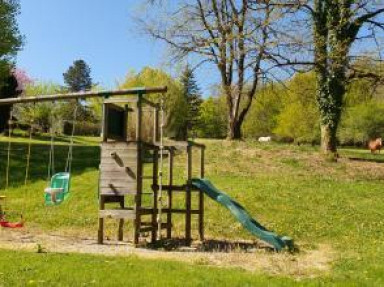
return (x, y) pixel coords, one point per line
(155, 193)
(138, 199)
(155, 125)
(201, 198)
(126, 111)
(100, 234)
(170, 182)
(105, 123)
(120, 234)
(188, 197)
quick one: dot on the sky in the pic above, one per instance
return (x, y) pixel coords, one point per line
(101, 32)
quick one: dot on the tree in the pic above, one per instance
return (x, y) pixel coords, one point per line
(337, 25)
(362, 123)
(175, 105)
(240, 38)
(8, 90)
(213, 122)
(10, 38)
(78, 77)
(10, 44)
(262, 118)
(191, 93)
(39, 113)
(299, 116)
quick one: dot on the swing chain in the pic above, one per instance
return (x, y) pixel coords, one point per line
(68, 166)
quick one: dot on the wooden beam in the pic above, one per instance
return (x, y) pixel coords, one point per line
(201, 196)
(83, 95)
(188, 197)
(170, 193)
(117, 214)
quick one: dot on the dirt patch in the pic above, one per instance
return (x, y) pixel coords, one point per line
(306, 264)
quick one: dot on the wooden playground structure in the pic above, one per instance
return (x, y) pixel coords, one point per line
(123, 156)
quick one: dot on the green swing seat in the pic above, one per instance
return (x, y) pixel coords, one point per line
(58, 191)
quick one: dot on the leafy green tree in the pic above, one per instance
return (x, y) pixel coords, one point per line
(78, 77)
(40, 113)
(10, 38)
(10, 44)
(175, 105)
(262, 118)
(192, 95)
(213, 120)
(362, 123)
(299, 116)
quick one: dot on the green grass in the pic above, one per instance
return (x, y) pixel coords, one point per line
(28, 269)
(290, 189)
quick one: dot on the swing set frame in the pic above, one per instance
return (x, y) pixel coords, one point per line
(52, 98)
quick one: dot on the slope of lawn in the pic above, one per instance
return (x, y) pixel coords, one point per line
(289, 189)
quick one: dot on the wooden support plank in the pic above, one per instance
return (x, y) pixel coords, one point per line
(120, 101)
(139, 164)
(100, 233)
(119, 145)
(170, 194)
(146, 211)
(117, 214)
(115, 191)
(119, 175)
(201, 196)
(120, 232)
(116, 176)
(156, 134)
(112, 198)
(188, 198)
(121, 160)
(105, 123)
(149, 211)
(116, 168)
(182, 211)
(155, 174)
(151, 228)
(149, 103)
(116, 184)
(113, 153)
(111, 162)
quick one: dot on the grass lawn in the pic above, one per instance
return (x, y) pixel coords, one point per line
(290, 189)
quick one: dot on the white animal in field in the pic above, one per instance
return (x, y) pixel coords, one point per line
(264, 139)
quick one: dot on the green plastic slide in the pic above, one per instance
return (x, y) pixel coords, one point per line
(242, 215)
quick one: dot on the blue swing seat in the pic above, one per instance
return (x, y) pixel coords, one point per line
(59, 188)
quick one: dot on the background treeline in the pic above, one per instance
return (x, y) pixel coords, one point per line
(285, 110)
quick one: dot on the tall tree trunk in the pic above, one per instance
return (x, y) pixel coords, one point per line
(330, 100)
(234, 129)
(328, 139)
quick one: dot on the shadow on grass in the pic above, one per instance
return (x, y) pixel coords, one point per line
(84, 157)
(361, 159)
(211, 245)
